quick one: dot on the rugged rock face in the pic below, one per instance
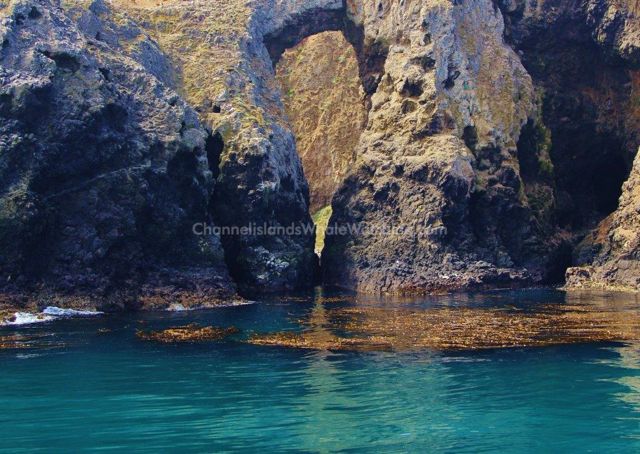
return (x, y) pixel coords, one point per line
(103, 168)
(497, 137)
(522, 209)
(440, 159)
(224, 70)
(584, 57)
(589, 105)
(324, 101)
(439, 81)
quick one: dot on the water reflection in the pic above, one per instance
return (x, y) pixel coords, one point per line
(460, 324)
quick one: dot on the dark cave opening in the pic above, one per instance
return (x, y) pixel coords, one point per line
(533, 146)
(470, 137)
(583, 142)
(214, 146)
(608, 176)
(561, 259)
(590, 169)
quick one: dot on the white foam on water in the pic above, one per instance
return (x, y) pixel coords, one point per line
(28, 355)
(26, 318)
(60, 312)
(177, 307)
(237, 303)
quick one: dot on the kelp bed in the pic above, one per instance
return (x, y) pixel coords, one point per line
(383, 329)
(188, 333)
(23, 341)
(391, 328)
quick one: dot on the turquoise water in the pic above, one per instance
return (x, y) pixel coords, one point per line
(108, 391)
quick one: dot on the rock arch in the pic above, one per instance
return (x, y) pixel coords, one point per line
(435, 76)
(282, 261)
(370, 53)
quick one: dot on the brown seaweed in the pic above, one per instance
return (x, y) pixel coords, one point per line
(383, 329)
(188, 333)
(22, 342)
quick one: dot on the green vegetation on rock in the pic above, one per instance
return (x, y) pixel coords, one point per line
(321, 220)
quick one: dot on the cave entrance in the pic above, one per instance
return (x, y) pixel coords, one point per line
(591, 168)
(325, 104)
(585, 143)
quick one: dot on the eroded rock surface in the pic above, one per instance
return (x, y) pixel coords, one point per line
(615, 245)
(225, 71)
(549, 136)
(590, 106)
(103, 167)
(439, 158)
(123, 123)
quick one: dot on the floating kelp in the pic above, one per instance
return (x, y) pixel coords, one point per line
(309, 341)
(318, 299)
(188, 333)
(12, 342)
(21, 341)
(380, 329)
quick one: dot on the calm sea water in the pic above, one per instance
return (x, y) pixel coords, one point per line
(108, 391)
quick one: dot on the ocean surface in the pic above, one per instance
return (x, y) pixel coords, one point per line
(88, 384)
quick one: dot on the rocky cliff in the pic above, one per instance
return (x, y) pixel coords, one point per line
(584, 58)
(439, 163)
(496, 138)
(103, 168)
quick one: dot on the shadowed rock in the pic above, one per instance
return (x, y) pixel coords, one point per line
(103, 167)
